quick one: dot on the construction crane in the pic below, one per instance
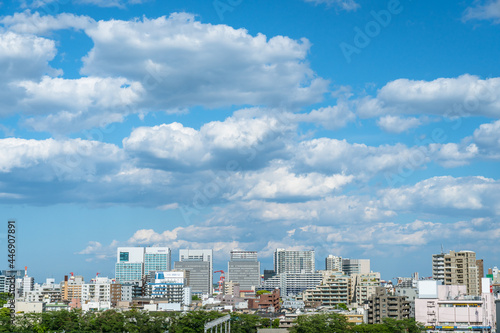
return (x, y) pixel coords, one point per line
(221, 279)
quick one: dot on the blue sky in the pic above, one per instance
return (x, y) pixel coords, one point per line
(356, 128)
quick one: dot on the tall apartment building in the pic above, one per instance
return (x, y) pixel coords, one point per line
(363, 286)
(199, 263)
(333, 263)
(289, 261)
(382, 305)
(355, 266)
(438, 267)
(132, 263)
(72, 288)
(462, 268)
(244, 268)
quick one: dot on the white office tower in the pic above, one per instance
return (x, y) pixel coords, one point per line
(333, 263)
(355, 266)
(244, 268)
(157, 259)
(129, 264)
(132, 263)
(288, 261)
(200, 266)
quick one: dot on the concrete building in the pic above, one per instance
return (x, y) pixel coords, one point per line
(355, 266)
(334, 289)
(132, 263)
(438, 267)
(157, 259)
(448, 307)
(288, 261)
(292, 283)
(363, 286)
(71, 288)
(461, 268)
(383, 305)
(267, 301)
(333, 263)
(200, 275)
(196, 284)
(129, 264)
(170, 286)
(244, 268)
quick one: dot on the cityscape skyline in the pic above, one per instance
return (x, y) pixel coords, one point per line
(355, 128)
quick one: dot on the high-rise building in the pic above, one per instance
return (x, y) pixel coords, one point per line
(461, 268)
(333, 263)
(292, 283)
(132, 263)
(355, 266)
(157, 259)
(438, 267)
(289, 261)
(199, 263)
(244, 268)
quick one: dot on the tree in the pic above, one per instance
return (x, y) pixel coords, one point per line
(319, 323)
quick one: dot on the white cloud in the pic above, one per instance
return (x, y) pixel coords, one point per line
(278, 182)
(394, 124)
(466, 95)
(487, 137)
(33, 23)
(22, 57)
(347, 5)
(489, 10)
(247, 142)
(451, 155)
(77, 104)
(49, 4)
(331, 117)
(446, 195)
(183, 63)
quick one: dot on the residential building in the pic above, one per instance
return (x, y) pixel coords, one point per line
(461, 268)
(333, 263)
(266, 301)
(438, 267)
(355, 266)
(363, 286)
(384, 305)
(72, 288)
(244, 268)
(333, 289)
(170, 286)
(292, 283)
(448, 307)
(289, 261)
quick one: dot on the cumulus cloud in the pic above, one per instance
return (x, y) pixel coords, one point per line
(466, 95)
(33, 23)
(240, 141)
(487, 10)
(182, 63)
(487, 137)
(331, 117)
(446, 195)
(63, 105)
(22, 57)
(395, 124)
